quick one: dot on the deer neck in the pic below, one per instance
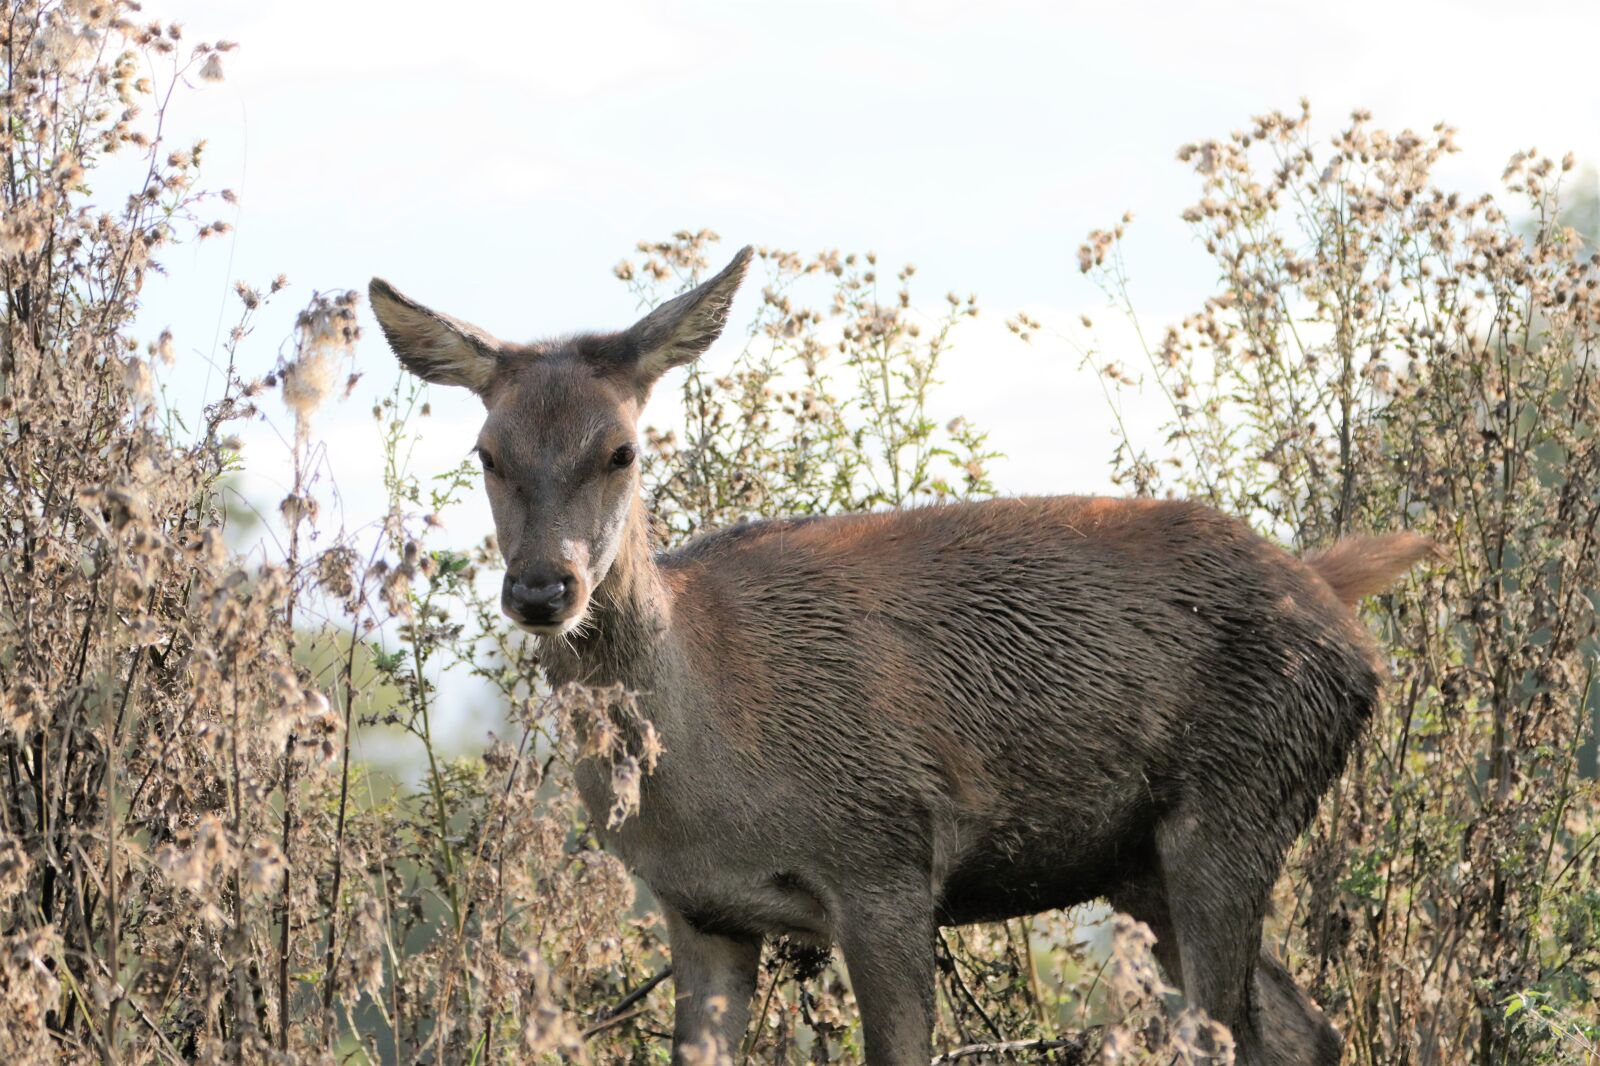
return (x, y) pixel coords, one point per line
(629, 613)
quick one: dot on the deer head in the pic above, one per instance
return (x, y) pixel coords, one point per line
(559, 445)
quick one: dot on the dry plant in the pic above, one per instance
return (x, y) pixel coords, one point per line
(193, 867)
(195, 864)
(825, 409)
(1385, 354)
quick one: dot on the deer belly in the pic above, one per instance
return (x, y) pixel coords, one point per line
(1001, 875)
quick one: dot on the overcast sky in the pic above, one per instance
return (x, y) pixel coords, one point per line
(496, 159)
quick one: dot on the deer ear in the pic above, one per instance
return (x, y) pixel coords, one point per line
(680, 330)
(435, 347)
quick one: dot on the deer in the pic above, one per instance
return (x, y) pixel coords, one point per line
(876, 725)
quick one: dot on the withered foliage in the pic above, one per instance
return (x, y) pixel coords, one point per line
(1385, 354)
(192, 865)
(827, 406)
(196, 865)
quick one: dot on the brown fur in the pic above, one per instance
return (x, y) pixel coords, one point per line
(1358, 567)
(875, 724)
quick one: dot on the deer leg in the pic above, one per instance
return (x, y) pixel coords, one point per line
(1146, 900)
(1292, 1029)
(888, 949)
(715, 978)
(1217, 874)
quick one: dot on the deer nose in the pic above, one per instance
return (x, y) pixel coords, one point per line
(538, 598)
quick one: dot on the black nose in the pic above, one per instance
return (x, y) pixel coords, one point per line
(539, 597)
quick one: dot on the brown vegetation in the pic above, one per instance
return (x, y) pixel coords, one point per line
(193, 867)
(1383, 354)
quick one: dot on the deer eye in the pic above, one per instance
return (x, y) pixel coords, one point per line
(623, 457)
(487, 460)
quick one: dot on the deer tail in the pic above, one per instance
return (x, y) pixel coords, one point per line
(1360, 566)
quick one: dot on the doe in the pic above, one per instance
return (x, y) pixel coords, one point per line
(878, 724)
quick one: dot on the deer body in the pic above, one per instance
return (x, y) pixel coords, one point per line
(1008, 724)
(877, 724)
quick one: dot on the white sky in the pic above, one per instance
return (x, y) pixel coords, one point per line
(496, 159)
